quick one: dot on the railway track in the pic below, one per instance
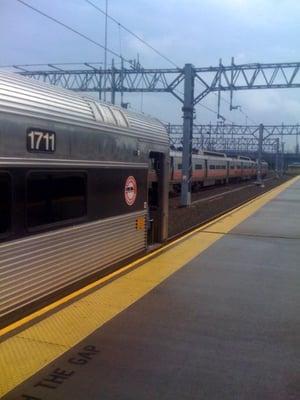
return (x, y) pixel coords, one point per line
(204, 208)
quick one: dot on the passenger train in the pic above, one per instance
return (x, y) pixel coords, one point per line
(76, 188)
(210, 168)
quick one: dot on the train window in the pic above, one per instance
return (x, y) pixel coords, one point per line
(120, 118)
(223, 166)
(5, 203)
(211, 167)
(108, 117)
(198, 166)
(151, 163)
(179, 166)
(231, 166)
(55, 196)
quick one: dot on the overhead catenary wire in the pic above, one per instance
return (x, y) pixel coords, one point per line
(120, 25)
(120, 39)
(239, 108)
(120, 56)
(211, 110)
(90, 39)
(133, 34)
(91, 64)
(202, 105)
(72, 29)
(47, 65)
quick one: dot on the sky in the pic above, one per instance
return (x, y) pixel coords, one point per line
(200, 32)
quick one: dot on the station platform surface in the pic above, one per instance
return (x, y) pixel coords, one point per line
(214, 315)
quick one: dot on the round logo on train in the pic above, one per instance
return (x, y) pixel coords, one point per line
(130, 190)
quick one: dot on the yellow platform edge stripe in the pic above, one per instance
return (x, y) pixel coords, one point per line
(28, 351)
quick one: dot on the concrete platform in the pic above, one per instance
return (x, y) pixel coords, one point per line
(225, 325)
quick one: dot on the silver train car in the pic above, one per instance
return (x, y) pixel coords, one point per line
(210, 168)
(74, 189)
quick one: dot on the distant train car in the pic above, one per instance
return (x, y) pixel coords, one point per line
(74, 188)
(293, 169)
(264, 169)
(248, 168)
(208, 169)
(211, 168)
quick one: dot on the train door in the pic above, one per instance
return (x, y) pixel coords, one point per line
(206, 169)
(227, 171)
(158, 190)
(172, 168)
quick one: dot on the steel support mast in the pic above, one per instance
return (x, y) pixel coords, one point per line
(188, 114)
(259, 155)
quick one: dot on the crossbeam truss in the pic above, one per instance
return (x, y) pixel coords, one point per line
(228, 78)
(238, 139)
(233, 138)
(225, 144)
(232, 77)
(235, 130)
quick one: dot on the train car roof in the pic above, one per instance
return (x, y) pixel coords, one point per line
(200, 156)
(203, 156)
(24, 96)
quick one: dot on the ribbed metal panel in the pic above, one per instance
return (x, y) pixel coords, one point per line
(45, 263)
(149, 128)
(24, 96)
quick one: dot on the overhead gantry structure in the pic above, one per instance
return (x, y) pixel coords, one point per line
(235, 130)
(234, 137)
(237, 138)
(197, 83)
(138, 79)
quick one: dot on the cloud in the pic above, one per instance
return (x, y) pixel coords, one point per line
(193, 31)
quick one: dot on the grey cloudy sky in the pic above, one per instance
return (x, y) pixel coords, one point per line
(195, 31)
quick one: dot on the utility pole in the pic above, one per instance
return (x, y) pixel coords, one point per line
(122, 82)
(113, 83)
(105, 48)
(100, 85)
(259, 159)
(282, 158)
(277, 158)
(219, 91)
(188, 108)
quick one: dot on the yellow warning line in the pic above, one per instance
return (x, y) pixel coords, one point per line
(25, 353)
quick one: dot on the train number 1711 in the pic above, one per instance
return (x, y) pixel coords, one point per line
(40, 141)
